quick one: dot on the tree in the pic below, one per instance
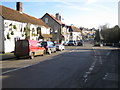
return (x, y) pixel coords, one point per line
(111, 35)
(104, 27)
(97, 36)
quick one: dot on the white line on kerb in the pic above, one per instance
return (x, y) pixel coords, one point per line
(18, 68)
(14, 69)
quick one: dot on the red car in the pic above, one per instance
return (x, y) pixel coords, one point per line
(28, 48)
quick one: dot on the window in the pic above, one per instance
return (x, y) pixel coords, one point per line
(16, 39)
(70, 34)
(38, 30)
(51, 30)
(56, 31)
(46, 20)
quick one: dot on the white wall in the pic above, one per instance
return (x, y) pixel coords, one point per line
(35, 32)
(9, 44)
(1, 34)
(75, 34)
(45, 30)
(65, 33)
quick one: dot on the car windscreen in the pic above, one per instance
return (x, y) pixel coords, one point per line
(71, 41)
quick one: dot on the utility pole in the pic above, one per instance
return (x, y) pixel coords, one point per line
(119, 13)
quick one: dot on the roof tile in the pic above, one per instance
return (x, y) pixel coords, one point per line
(10, 14)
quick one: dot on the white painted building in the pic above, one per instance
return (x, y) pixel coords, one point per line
(75, 33)
(13, 31)
(65, 33)
(16, 25)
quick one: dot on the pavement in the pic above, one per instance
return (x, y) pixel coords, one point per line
(7, 56)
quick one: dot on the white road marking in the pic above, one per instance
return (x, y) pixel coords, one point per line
(108, 53)
(100, 60)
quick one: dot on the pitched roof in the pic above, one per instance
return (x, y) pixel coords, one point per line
(46, 35)
(10, 14)
(59, 22)
(74, 29)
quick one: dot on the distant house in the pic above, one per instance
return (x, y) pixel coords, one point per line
(58, 30)
(16, 25)
(87, 33)
(74, 33)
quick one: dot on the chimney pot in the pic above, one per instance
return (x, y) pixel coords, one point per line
(19, 6)
(57, 16)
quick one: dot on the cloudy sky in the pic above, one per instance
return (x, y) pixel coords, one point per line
(81, 13)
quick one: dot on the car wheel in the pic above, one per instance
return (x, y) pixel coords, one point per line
(43, 53)
(49, 52)
(55, 51)
(18, 58)
(32, 56)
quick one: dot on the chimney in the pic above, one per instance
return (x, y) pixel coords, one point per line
(19, 6)
(58, 17)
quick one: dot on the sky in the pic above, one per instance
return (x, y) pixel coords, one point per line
(80, 13)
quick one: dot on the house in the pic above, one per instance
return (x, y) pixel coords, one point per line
(59, 30)
(88, 33)
(74, 33)
(16, 25)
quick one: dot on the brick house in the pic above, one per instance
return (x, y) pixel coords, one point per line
(58, 28)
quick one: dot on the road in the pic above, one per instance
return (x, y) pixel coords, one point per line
(76, 67)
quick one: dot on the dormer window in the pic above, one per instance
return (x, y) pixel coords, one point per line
(46, 20)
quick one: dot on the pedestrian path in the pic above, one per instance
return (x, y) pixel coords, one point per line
(6, 56)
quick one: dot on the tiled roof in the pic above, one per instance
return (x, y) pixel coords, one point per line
(54, 18)
(74, 29)
(10, 14)
(46, 35)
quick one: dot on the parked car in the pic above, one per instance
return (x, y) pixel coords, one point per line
(60, 47)
(49, 46)
(80, 43)
(97, 44)
(28, 48)
(65, 43)
(71, 43)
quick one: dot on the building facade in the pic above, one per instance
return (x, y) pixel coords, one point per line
(57, 27)
(17, 25)
(74, 33)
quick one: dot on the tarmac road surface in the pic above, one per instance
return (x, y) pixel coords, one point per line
(77, 67)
